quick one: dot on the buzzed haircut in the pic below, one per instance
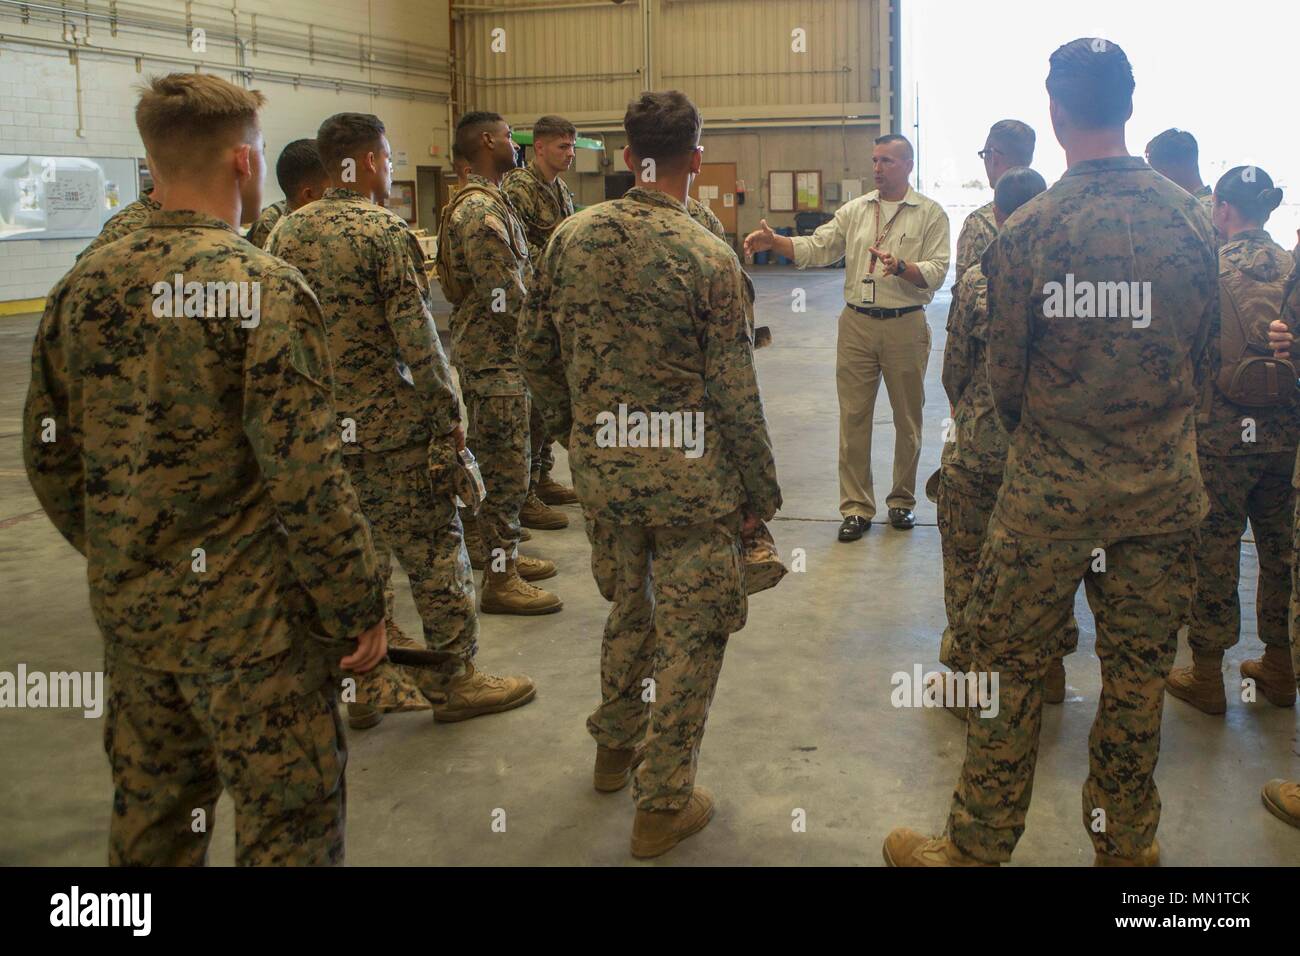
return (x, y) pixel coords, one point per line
(1014, 139)
(347, 135)
(897, 138)
(187, 119)
(299, 165)
(1016, 187)
(663, 126)
(1092, 80)
(470, 130)
(549, 127)
(1173, 147)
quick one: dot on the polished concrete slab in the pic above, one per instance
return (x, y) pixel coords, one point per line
(802, 718)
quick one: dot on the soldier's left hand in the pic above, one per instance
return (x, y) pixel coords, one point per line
(372, 645)
(457, 436)
(1279, 339)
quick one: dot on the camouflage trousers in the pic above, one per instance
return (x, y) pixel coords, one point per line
(497, 434)
(540, 450)
(1257, 487)
(174, 741)
(1295, 595)
(1013, 625)
(966, 500)
(677, 593)
(418, 524)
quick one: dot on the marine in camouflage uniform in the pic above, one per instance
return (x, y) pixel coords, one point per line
(182, 433)
(397, 410)
(977, 232)
(126, 221)
(973, 461)
(666, 546)
(1247, 456)
(260, 231)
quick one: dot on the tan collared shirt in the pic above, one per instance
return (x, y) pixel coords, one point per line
(919, 236)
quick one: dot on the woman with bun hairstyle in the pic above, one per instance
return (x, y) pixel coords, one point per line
(1247, 432)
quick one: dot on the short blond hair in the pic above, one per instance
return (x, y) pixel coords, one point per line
(185, 119)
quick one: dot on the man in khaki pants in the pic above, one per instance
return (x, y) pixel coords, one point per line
(895, 242)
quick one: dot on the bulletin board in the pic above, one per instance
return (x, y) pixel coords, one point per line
(780, 190)
(808, 190)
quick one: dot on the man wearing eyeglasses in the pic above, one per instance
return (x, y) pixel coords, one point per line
(895, 243)
(1010, 143)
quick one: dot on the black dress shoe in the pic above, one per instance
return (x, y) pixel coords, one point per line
(853, 527)
(902, 518)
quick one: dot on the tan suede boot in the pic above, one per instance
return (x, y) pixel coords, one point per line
(1273, 675)
(553, 493)
(906, 847)
(477, 693)
(1200, 685)
(1282, 798)
(614, 767)
(1148, 857)
(1054, 683)
(535, 514)
(505, 592)
(655, 832)
(534, 569)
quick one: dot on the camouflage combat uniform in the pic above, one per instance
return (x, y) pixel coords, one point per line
(126, 221)
(260, 230)
(973, 460)
(187, 433)
(706, 217)
(979, 229)
(540, 207)
(393, 388)
(666, 548)
(488, 254)
(1245, 479)
(1101, 466)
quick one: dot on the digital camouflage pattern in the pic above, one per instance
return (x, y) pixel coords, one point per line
(186, 433)
(979, 441)
(488, 252)
(623, 281)
(540, 206)
(1101, 414)
(977, 233)
(706, 217)
(126, 221)
(1014, 624)
(1257, 487)
(965, 503)
(677, 593)
(391, 376)
(260, 230)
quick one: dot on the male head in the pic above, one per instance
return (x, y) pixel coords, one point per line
(460, 166)
(891, 164)
(1015, 187)
(484, 140)
(663, 141)
(1174, 155)
(300, 173)
(1010, 143)
(1090, 91)
(355, 152)
(202, 137)
(553, 144)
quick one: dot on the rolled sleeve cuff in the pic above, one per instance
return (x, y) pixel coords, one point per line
(933, 271)
(803, 251)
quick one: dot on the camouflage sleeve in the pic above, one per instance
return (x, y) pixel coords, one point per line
(289, 419)
(958, 360)
(402, 284)
(1206, 355)
(516, 189)
(539, 354)
(259, 232)
(731, 385)
(51, 432)
(1010, 307)
(490, 261)
(967, 254)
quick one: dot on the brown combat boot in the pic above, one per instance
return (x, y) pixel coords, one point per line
(1200, 685)
(535, 514)
(614, 767)
(1273, 675)
(505, 592)
(655, 832)
(553, 493)
(1054, 683)
(534, 569)
(906, 847)
(1148, 857)
(476, 693)
(1282, 798)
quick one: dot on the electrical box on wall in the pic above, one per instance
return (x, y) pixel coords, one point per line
(832, 192)
(587, 161)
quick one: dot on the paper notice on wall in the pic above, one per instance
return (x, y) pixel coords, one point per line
(708, 192)
(75, 199)
(781, 189)
(399, 157)
(729, 200)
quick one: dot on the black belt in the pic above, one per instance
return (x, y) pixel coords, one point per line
(884, 313)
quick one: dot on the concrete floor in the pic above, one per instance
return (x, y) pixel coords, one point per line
(802, 717)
